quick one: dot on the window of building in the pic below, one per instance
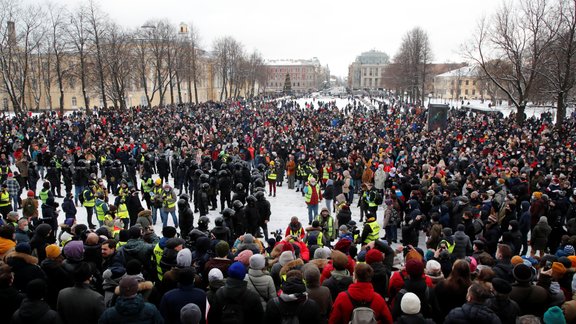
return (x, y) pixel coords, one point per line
(74, 102)
(473, 92)
(5, 104)
(467, 82)
(143, 101)
(466, 92)
(474, 82)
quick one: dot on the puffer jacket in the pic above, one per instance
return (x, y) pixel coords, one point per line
(462, 245)
(472, 313)
(35, 311)
(262, 284)
(131, 310)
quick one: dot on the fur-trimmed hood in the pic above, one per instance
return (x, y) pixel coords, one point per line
(22, 256)
(142, 286)
(292, 265)
(320, 263)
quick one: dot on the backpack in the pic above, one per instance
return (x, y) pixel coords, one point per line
(394, 216)
(232, 311)
(378, 198)
(289, 317)
(362, 313)
(478, 225)
(28, 208)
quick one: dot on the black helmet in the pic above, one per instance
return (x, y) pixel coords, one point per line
(259, 189)
(185, 196)
(223, 173)
(67, 163)
(261, 167)
(108, 163)
(81, 162)
(259, 195)
(228, 212)
(33, 164)
(223, 166)
(125, 175)
(205, 186)
(259, 183)
(239, 186)
(53, 164)
(117, 163)
(87, 163)
(198, 173)
(251, 199)
(204, 177)
(204, 220)
(237, 204)
(219, 221)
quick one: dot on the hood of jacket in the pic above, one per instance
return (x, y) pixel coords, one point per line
(129, 306)
(32, 311)
(296, 264)
(234, 288)
(361, 291)
(6, 245)
(525, 205)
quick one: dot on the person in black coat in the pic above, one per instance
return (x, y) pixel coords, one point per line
(264, 212)
(163, 168)
(252, 216)
(225, 187)
(68, 206)
(10, 298)
(50, 215)
(474, 311)
(41, 238)
(24, 266)
(134, 205)
(56, 277)
(492, 235)
(185, 216)
(33, 308)
(292, 302)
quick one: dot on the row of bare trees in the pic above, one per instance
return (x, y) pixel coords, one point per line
(46, 49)
(527, 49)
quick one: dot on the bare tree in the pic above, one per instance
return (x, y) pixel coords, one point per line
(559, 69)
(57, 32)
(228, 53)
(78, 35)
(510, 48)
(97, 22)
(118, 59)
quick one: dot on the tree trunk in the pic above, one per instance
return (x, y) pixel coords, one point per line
(520, 114)
(83, 82)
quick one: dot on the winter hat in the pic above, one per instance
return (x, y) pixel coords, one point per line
(522, 273)
(361, 257)
(415, 268)
(516, 260)
(572, 259)
(215, 274)
(128, 286)
(543, 219)
(569, 249)
(322, 253)
(287, 247)
(501, 286)
(52, 251)
(413, 255)
(36, 289)
(244, 257)
(566, 262)
(23, 247)
(222, 249)
(343, 246)
(248, 238)
(339, 260)
(30, 194)
(257, 262)
(410, 304)
(472, 262)
(433, 267)
(374, 255)
(184, 258)
(293, 285)
(537, 194)
(174, 242)
(554, 315)
(190, 313)
(74, 250)
(237, 270)
(558, 269)
(285, 257)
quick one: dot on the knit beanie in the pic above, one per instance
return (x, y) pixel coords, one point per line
(558, 269)
(433, 267)
(413, 255)
(285, 257)
(52, 251)
(516, 260)
(293, 286)
(74, 250)
(244, 257)
(501, 286)
(339, 260)
(322, 253)
(572, 259)
(410, 304)
(522, 273)
(23, 247)
(257, 262)
(374, 255)
(237, 271)
(569, 250)
(554, 315)
(184, 258)
(343, 246)
(415, 268)
(215, 274)
(248, 238)
(190, 313)
(222, 249)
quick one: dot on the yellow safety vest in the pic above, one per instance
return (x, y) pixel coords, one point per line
(168, 201)
(147, 185)
(308, 195)
(100, 213)
(158, 251)
(272, 176)
(43, 195)
(5, 199)
(325, 174)
(122, 211)
(88, 202)
(375, 234)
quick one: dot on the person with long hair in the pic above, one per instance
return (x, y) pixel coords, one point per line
(451, 293)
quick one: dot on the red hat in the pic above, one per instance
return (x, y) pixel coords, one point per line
(287, 247)
(30, 194)
(373, 256)
(343, 246)
(415, 268)
(10, 175)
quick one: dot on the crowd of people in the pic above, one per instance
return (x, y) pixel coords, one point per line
(495, 201)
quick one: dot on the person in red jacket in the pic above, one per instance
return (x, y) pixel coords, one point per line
(362, 292)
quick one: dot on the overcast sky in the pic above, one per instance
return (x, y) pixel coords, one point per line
(334, 31)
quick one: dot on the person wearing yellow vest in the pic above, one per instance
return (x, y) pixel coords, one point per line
(326, 171)
(156, 195)
(146, 186)
(89, 203)
(371, 230)
(312, 197)
(168, 206)
(122, 210)
(45, 193)
(168, 233)
(5, 206)
(314, 236)
(101, 207)
(326, 221)
(272, 175)
(295, 228)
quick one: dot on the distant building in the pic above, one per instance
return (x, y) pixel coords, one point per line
(366, 72)
(465, 83)
(305, 75)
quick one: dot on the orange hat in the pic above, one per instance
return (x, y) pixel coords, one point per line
(413, 255)
(558, 269)
(537, 194)
(517, 260)
(572, 259)
(52, 251)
